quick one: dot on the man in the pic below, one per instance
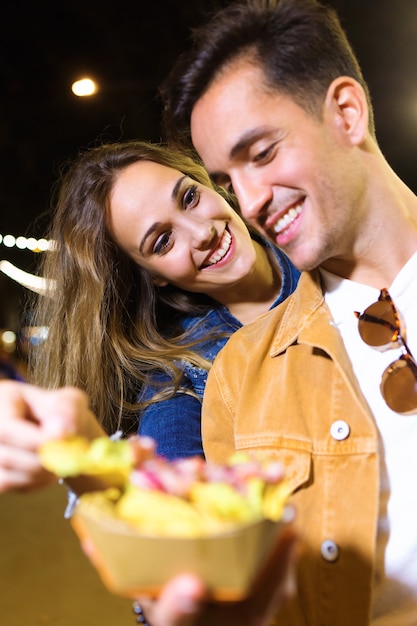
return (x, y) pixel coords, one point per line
(278, 111)
(275, 104)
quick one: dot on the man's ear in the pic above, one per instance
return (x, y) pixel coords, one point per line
(346, 108)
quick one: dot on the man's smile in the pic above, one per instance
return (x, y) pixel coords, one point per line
(287, 219)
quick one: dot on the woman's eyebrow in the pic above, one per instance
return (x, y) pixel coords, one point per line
(156, 225)
(177, 186)
(148, 233)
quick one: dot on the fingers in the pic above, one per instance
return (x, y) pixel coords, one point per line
(17, 432)
(64, 413)
(21, 470)
(30, 416)
(180, 603)
(41, 414)
(60, 412)
(17, 424)
(20, 437)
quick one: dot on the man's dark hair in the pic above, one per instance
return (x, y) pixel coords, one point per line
(299, 44)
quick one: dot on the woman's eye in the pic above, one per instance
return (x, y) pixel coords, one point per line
(162, 243)
(191, 197)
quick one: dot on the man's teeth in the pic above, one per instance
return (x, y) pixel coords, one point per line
(222, 250)
(287, 219)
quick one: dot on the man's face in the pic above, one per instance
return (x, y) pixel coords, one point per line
(287, 167)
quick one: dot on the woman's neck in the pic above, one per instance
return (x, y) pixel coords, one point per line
(256, 293)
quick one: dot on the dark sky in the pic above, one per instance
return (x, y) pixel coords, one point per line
(129, 46)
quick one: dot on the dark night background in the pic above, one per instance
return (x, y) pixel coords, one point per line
(128, 47)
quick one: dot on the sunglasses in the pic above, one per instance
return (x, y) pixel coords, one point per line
(379, 327)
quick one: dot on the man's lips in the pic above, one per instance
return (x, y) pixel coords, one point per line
(221, 250)
(282, 224)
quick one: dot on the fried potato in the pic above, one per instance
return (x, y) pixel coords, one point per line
(102, 458)
(183, 498)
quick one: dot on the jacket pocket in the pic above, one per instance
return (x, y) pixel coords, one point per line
(297, 466)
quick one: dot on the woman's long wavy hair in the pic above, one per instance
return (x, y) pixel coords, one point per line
(109, 326)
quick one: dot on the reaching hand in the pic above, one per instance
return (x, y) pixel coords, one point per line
(29, 416)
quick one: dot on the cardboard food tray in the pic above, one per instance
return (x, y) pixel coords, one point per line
(131, 564)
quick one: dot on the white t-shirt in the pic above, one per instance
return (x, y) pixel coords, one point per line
(395, 589)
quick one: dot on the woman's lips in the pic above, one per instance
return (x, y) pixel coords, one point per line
(221, 250)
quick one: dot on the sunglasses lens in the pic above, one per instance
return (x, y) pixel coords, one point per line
(378, 324)
(399, 386)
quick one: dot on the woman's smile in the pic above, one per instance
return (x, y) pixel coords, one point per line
(221, 251)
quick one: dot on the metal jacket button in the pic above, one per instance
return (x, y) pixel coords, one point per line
(339, 430)
(329, 550)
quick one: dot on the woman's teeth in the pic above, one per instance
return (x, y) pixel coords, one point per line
(287, 219)
(222, 250)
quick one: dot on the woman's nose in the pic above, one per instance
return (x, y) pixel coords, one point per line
(203, 235)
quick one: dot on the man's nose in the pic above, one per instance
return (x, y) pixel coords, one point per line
(252, 195)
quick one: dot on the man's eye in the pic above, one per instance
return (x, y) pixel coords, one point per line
(264, 155)
(162, 243)
(191, 197)
(227, 186)
(225, 183)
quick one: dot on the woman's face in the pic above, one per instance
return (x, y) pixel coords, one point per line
(183, 232)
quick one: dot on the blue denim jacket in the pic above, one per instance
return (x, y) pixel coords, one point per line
(175, 424)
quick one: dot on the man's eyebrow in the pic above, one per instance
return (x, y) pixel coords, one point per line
(248, 137)
(156, 225)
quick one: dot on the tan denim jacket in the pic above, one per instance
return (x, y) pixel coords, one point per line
(284, 385)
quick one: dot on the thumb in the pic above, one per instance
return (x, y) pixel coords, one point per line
(58, 411)
(179, 604)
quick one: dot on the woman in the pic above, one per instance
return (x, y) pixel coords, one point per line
(151, 272)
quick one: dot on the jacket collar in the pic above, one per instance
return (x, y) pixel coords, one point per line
(307, 320)
(301, 308)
